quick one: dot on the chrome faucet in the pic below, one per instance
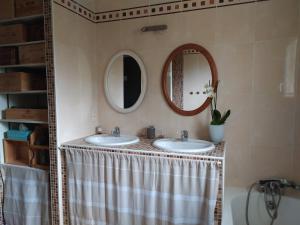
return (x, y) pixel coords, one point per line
(116, 132)
(290, 184)
(184, 135)
(282, 183)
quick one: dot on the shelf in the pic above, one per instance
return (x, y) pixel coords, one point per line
(34, 65)
(16, 163)
(39, 147)
(42, 167)
(21, 19)
(22, 43)
(13, 140)
(23, 121)
(24, 92)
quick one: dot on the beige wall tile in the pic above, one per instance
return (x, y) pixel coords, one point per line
(235, 67)
(276, 19)
(74, 71)
(271, 162)
(239, 166)
(272, 63)
(235, 24)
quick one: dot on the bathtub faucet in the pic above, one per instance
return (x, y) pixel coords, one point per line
(290, 184)
(281, 183)
(116, 132)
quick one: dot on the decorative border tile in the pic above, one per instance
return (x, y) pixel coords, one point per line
(77, 8)
(147, 11)
(51, 112)
(145, 148)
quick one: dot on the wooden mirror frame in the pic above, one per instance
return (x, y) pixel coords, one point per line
(214, 75)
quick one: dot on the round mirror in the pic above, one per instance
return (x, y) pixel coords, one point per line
(125, 82)
(186, 72)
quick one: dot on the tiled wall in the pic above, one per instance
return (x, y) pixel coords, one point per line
(252, 44)
(76, 92)
(76, 89)
(297, 134)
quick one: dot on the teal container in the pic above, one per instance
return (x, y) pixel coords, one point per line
(17, 135)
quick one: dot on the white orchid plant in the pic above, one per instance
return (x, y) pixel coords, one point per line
(216, 116)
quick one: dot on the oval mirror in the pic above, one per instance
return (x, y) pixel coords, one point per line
(125, 82)
(186, 72)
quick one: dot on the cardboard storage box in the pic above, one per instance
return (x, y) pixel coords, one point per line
(7, 9)
(32, 53)
(26, 114)
(19, 81)
(28, 7)
(16, 152)
(15, 33)
(8, 56)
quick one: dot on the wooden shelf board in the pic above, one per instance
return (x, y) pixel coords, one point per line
(24, 92)
(17, 162)
(23, 121)
(22, 19)
(42, 167)
(13, 140)
(40, 147)
(33, 65)
(22, 43)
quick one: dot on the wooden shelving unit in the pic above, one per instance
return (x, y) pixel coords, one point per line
(40, 147)
(22, 44)
(25, 153)
(16, 152)
(33, 92)
(23, 121)
(24, 66)
(25, 19)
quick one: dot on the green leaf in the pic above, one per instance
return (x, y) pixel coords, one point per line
(225, 117)
(216, 116)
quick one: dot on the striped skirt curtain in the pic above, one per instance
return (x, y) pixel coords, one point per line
(120, 189)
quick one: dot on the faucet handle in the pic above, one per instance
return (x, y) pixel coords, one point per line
(116, 131)
(184, 135)
(99, 130)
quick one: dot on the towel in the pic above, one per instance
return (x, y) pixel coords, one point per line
(26, 195)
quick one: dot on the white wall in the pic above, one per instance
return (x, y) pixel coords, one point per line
(197, 73)
(116, 82)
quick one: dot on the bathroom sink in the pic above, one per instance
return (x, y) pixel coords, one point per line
(179, 146)
(110, 140)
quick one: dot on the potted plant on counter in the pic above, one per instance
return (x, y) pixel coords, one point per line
(216, 126)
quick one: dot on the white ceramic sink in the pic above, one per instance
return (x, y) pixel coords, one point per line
(189, 146)
(109, 140)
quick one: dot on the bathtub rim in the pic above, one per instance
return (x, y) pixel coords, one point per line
(231, 193)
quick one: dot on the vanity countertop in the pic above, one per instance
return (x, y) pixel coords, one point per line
(144, 147)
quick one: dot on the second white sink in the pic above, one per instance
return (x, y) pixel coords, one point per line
(110, 140)
(189, 146)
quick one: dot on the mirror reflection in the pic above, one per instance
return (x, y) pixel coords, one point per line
(188, 72)
(124, 81)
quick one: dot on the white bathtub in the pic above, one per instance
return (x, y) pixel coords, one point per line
(235, 204)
